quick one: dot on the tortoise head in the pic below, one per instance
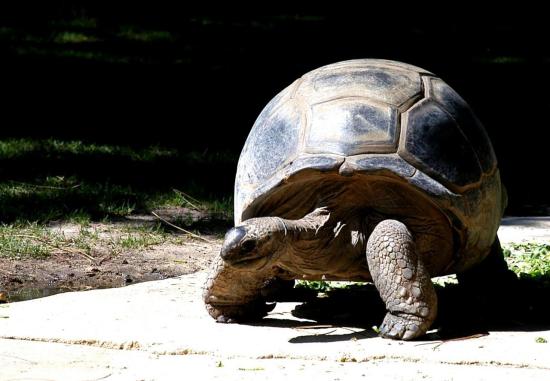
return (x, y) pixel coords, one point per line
(250, 243)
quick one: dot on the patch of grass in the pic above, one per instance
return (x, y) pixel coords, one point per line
(501, 60)
(217, 208)
(166, 199)
(223, 206)
(131, 32)
(316, 285)
(39, 241)
(11, 148)
(77, 23)
(529, 260)
(47, 183)
(41, 202)
(48, 180)
(23, 241)
(93, 56)
(67, 37)
(323, 286)
(141, 237)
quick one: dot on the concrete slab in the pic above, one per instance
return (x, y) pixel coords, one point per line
(164, 322)
(23, 360)
(160, 331)
(524, 229)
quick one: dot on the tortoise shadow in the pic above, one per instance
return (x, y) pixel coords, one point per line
(462, 313)
(523, 308)
(324, 333)
(328, 337)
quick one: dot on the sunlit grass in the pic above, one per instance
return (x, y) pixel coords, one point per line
(73, 38)
(10, 148)
(529, 260)
(38, 241)
(24, 241)
(99, 188)
(140, 237)
(50, 180)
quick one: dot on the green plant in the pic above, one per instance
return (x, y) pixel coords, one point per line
(529, 260)
(73, 38)
(326, 286)
(25, 240)
(316, 285)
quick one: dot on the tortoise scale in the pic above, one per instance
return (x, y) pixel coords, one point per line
(363, 170)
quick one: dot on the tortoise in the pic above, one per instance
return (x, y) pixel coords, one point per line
(362, 170)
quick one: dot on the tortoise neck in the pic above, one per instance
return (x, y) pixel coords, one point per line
(309, 225)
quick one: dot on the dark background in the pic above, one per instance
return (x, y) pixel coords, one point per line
(164, 74)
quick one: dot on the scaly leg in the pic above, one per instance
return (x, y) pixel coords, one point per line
(402, 281)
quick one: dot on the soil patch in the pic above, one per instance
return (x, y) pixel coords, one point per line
(28, 278)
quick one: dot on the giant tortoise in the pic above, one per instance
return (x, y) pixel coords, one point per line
(363, 170)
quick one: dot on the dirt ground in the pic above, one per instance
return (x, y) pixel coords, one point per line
(64, 271)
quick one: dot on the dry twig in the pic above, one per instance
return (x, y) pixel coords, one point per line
(181, 229)
(45, 186)
(188, 200)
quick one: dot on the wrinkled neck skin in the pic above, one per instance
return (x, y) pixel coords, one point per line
(276, 235)
(289, 231)
(318, 241)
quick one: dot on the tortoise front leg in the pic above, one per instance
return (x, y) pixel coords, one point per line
(402, 281)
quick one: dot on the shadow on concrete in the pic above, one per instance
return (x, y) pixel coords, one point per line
(462, 313)
(521, 308)
(285, 323)
(329, 337)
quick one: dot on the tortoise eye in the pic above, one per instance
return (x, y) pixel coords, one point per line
(248, 246)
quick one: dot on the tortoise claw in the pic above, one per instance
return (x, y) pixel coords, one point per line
(225, 320)
(401, 327)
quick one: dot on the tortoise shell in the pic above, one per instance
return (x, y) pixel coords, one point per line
(406, 138)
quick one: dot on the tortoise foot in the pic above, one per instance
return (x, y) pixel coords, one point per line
(403, 326)
(225, 320)
(243, 313)
(402, 281)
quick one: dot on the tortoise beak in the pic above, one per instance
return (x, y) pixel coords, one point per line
(231, 242)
